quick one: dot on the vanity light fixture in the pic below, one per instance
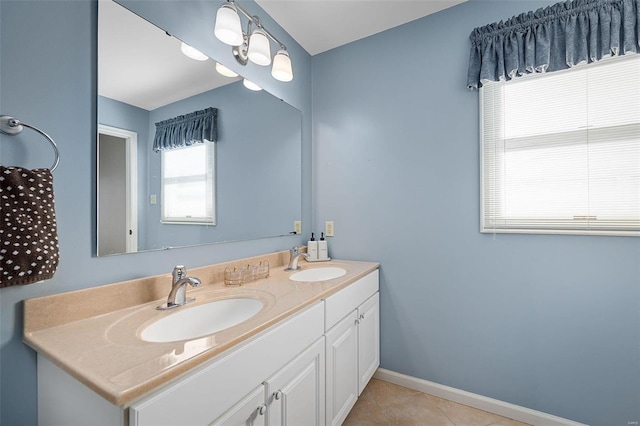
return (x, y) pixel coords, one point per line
(251, 85)
(192, 52)
(228, 27)
(281, 69)
(251, 45)
(224, 71)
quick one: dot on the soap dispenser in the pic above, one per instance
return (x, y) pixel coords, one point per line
(323, 253)
(312, 249)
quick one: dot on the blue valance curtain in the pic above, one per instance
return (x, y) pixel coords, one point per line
(186, 130)
(554, 38)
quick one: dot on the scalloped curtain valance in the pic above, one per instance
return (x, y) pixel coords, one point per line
(186, 130)
(554, 38)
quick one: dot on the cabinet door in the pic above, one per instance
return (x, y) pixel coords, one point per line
(342, 368)
(296, 394)
(251, 411)
(368, 340)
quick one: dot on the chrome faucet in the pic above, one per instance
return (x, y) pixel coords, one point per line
(295, 255)
(178, 295)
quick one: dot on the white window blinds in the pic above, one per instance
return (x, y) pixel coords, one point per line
(561, 151)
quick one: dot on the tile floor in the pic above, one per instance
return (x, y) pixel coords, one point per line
(383, 403)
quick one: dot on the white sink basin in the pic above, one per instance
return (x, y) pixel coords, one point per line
(191, 322)
(318, 274)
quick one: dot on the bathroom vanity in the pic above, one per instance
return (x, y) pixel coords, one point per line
(303, 359)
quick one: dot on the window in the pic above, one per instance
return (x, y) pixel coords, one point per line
(188, 185)
(561, 151)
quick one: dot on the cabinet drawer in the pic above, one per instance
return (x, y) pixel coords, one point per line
(338, 305)
(203, 395)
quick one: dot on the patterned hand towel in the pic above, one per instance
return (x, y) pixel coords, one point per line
(28, 233)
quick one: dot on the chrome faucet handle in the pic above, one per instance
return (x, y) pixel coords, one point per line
(294, 251)
(179, 272)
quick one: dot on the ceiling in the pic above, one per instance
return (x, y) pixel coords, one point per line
(321, 25)
(138, 62)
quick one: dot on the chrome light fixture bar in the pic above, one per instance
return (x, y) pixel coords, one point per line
(253, 45)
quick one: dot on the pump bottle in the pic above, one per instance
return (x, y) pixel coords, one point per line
(323, 253)
(312, 248)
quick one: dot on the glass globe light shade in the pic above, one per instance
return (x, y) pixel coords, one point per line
(222, 70)
(251, 85)
(259, 50)
(281, 69)
(192, 52)
(228, 29)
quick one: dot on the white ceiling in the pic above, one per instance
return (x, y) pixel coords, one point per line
(321, 25)
(141, 65)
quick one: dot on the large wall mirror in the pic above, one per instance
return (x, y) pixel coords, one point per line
(255, 169)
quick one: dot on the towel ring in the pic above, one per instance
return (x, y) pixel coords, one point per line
(12, 126)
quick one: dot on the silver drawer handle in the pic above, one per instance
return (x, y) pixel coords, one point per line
(277, 395)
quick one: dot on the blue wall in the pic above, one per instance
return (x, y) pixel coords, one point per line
(48, 78)
(547, 322)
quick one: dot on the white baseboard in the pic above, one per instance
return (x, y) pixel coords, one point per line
(501, 408)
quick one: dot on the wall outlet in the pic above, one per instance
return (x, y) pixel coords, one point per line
(153, 199)
(328, 229)
(297, 227)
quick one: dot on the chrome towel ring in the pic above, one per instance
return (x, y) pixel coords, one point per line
(12, 126)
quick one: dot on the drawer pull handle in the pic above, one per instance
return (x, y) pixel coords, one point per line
(361, 316)
(277, 395)
(262, 409)
(357, 321)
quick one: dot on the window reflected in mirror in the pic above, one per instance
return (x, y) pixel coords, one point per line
(188, 189)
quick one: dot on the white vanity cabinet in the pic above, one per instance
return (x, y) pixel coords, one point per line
(307, 369)
(292, 396)
(352, 345)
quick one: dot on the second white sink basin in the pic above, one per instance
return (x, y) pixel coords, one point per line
(318, 274)
(191, 322)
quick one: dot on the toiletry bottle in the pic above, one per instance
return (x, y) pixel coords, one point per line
(312, 248)
(323, 253)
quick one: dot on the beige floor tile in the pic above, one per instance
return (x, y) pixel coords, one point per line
(509, 422)
(384, 392)
(369, 414)
(462, 415)
(366, 397)
(414, 409)
(385, 404)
